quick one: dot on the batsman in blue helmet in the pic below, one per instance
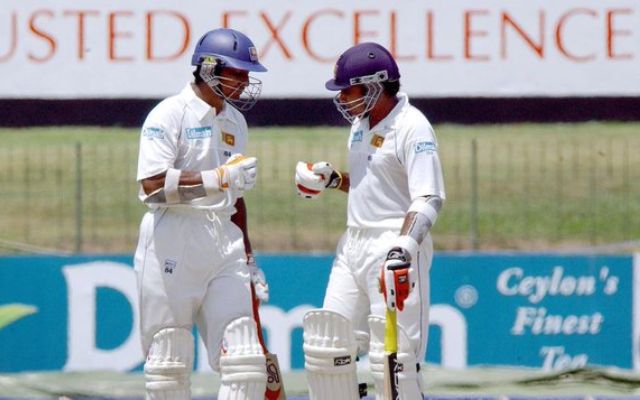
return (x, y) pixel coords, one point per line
(194, 262)
(395, 192)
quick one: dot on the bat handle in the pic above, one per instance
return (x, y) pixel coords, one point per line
(391, 332)
(256, 316)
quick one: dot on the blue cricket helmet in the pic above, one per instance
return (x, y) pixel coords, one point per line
(229, 48)
(363, 63)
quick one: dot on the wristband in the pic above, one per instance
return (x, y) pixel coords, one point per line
(171, 182)
(210, 181)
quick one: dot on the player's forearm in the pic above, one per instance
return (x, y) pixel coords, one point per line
(187, 178)
(421, 217)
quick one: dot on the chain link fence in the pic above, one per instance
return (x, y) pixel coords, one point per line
(504, 192)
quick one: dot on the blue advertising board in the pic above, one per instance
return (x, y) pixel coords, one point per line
(544, 311)
(536, 310)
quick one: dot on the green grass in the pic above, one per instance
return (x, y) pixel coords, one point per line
(539, 187)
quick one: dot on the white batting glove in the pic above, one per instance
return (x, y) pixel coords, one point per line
(258, 279)
(331, 177)
(312, 179)
(239, 173)
(397, 278)
(308, 184)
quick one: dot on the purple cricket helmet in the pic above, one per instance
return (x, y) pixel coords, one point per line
(367, 64)
(363, 63)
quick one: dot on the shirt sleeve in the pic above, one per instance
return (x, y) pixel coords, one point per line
(158, 143)
(422, 163)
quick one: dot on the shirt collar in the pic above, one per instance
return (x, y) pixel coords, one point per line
(199, 107)
(389, 119)
(228, 113)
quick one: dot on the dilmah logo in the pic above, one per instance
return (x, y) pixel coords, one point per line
(344, 360)
(169, 266)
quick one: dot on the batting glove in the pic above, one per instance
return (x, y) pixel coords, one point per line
(239, 173)
(308, 184)
(259, 280)
(331, 177)
(397, 277)
(312, 179)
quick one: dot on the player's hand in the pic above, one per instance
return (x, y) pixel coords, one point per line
(308, 184)
(397, 277)
(259, 280)
(331, 177)
(239, 173)
(312, 179)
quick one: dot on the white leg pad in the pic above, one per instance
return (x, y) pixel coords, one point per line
(242, 363)
(408, 379)
(362, 341)
(169, 364)
(330, 356)
(376, 353)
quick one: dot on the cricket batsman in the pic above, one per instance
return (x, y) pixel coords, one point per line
(193, 261)
(395, 192)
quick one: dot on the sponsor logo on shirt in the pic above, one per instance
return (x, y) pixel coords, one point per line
(425, 146)
(228, 138)
(198, 133)
(377, 141)
(153, 133)
(357, 136)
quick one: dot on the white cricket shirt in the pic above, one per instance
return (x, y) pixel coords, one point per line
(390, 166)
(186, 133)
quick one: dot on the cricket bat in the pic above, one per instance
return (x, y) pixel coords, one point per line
(391, 366)
(275, 386)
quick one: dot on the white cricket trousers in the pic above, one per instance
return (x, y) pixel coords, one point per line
(191, 268)
(353, 288)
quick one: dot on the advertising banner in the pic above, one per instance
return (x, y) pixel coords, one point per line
(542, 311)
(461, 48)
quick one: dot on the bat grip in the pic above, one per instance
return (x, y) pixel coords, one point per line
(256, 317)
(391, 332)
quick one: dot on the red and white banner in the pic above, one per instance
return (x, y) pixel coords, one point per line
(142, 48)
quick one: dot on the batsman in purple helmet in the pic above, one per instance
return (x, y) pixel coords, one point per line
(395, 192)
(193, 261)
